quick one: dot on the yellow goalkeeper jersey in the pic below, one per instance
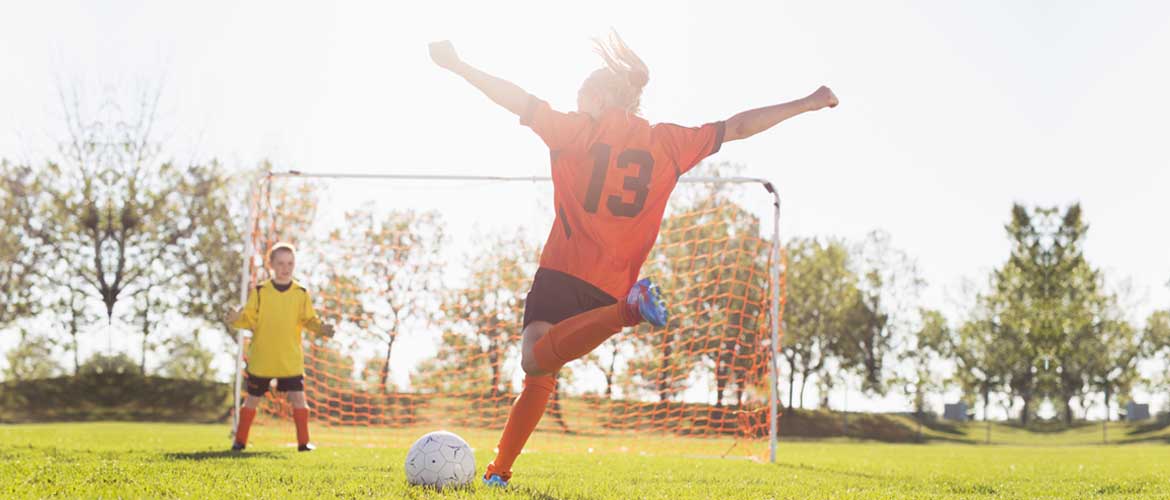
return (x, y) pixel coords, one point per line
(276, 318)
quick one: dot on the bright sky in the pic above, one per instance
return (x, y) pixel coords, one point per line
(948, 114)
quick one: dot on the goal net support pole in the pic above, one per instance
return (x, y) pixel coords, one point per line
(245, 281)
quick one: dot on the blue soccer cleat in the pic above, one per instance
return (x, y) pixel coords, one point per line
(495, 481)
(648, 299)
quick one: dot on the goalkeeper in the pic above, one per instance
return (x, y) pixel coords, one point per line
(276, 313)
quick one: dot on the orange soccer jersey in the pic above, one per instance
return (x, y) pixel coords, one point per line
(611, 180)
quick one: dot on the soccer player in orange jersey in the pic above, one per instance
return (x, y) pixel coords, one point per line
(612, 174)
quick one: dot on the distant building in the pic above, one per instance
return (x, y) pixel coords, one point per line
(956, 411)
(1135, 412)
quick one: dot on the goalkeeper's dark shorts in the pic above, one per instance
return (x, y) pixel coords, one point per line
(556, 296)
(257, 386)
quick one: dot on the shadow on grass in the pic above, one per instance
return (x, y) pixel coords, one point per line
(938, 425)
(471, 489)
(1151, 426)
(535, 494)
(949, 439)
(218, 454)
(1147, 439)
(1053, 426)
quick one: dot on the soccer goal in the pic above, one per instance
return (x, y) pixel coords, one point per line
(425, 276)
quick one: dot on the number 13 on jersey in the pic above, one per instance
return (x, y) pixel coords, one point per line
(638, 183)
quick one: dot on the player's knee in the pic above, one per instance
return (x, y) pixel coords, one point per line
(530, 367)
(297, 399)
(532, 334)
(251, 402)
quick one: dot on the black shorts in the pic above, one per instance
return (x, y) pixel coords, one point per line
(556, 296)
(257, 386)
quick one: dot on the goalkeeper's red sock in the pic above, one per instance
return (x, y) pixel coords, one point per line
(246, 416)
(301, 417)
(581, 334)
(526, 413)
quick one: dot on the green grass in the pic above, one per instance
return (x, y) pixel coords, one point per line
(92, 460)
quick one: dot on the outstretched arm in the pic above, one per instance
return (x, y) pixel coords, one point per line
(249, 316)
(315, 325)
(505, 93)
(749, 123)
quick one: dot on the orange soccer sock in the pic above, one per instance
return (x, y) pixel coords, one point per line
(526, 413)
(301, 417)
(581, 334)
(246, 416)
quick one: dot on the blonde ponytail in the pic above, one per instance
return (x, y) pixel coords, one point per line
(629, 73)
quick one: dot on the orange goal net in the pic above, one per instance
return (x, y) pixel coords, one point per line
(424, 279)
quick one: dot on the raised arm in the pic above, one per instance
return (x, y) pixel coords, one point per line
(749, 123)
(505, 93)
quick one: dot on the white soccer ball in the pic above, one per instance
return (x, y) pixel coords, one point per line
(440, 459)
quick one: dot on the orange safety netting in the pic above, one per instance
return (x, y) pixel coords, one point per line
(375, 278)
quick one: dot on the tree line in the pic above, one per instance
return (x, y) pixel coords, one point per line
(1045, 326)
(110, 230)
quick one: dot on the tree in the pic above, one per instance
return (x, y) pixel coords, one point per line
(21, 259)
(1116, 376)
(816, 325)
(608, 368)
(459, 368)
(98, 364)
(1113, 353)
(150, 309)
(928, 345)
(214, 254)
(183, 277)
(889, 286)
(72, 313)
(983, 361)
(110, 211)
(1015, 309)
(116, 220)
(1050, 305)
(284, 211)
(1156, 346)
(482, 321)
(187, 358)
(393, 264)
(31, 359)
(1073, 319)
(1156, 333)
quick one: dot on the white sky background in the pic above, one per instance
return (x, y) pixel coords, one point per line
(950, 112)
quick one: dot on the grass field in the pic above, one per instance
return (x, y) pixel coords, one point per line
(175, 460)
